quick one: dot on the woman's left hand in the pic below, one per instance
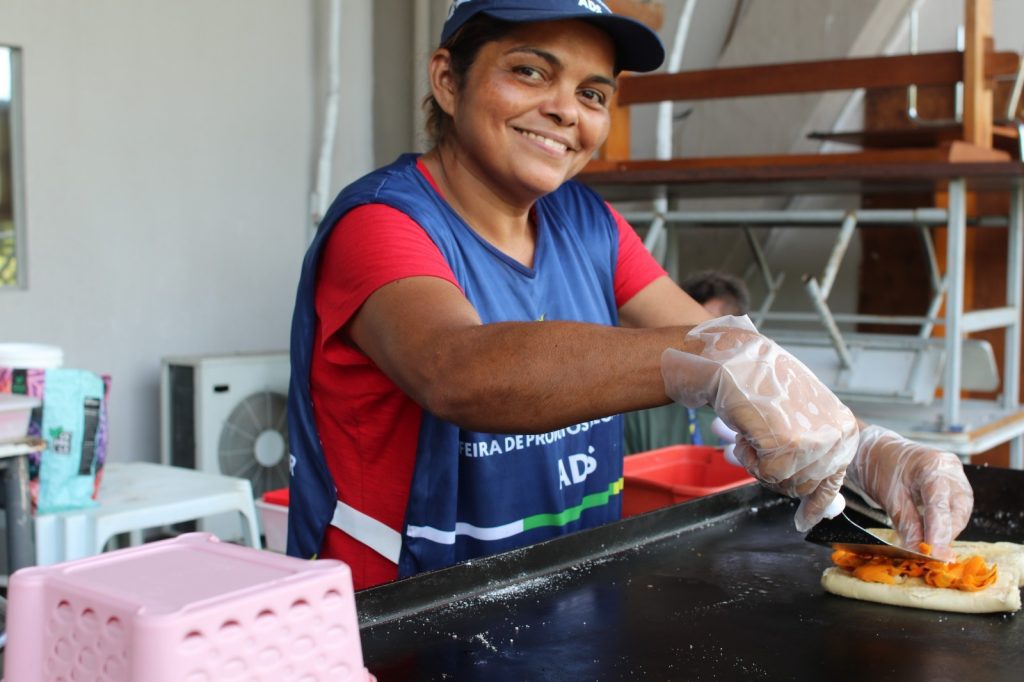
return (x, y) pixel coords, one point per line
(924, 490)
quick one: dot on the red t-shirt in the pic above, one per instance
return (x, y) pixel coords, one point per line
(368, 427)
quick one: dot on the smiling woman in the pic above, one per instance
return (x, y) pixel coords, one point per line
(12, 232)
(427, 431)
(471, 323)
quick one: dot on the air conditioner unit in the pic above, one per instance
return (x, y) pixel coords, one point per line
(226, 414)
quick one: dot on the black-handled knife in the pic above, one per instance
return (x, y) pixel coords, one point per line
(842, 532)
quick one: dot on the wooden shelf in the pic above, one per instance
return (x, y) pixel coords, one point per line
(876, 170)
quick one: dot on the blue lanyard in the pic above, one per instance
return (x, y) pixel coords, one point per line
(695, 438)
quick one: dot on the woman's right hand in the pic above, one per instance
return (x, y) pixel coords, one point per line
(795, 436)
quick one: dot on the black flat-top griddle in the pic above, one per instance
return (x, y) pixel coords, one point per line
(720, 588)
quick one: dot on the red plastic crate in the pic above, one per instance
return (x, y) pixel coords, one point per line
(277, 496)
(273, 509)
(666, 476)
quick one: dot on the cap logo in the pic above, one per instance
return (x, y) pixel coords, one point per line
(597, 7)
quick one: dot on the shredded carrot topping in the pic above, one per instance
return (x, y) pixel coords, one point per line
(970, 575)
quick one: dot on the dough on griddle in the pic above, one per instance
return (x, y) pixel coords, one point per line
(1003, 595)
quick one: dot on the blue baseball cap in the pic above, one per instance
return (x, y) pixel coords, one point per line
(637, 47)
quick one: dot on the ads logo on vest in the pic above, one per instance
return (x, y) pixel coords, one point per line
(575, 468)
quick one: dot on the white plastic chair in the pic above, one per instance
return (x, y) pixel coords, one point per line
(135, 496)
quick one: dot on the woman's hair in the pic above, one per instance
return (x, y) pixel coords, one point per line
(709, 284)
(463, 47)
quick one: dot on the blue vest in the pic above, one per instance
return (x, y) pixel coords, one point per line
(472, 493)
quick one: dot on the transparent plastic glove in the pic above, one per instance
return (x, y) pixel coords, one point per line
(728, 436)
(795, 436)
(924, 490)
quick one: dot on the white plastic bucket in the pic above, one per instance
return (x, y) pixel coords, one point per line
(15, 411)
(30, 356)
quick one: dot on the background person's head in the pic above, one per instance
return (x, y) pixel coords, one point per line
(471, 24)
(719, 292)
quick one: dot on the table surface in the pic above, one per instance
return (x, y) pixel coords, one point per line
(713, 589)
(24, 446)
(141, 484)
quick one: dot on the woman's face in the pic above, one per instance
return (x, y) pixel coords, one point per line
(534, 107)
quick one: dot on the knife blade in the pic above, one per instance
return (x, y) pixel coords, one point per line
(842, 532)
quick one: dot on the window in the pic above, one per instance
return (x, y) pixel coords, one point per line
(12, 209)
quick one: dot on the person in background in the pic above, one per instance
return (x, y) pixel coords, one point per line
(470, 323)
(720, 293)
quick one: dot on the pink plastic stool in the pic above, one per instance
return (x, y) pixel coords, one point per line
(191, 609)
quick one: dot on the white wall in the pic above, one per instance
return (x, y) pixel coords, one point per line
(169, 155)
(405, 34)
(353, 154)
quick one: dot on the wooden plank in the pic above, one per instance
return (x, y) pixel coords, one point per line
(966, 152)
(795, 77)
(887, 138)
(1004, 138)
(956, 152)
(977, 86)
(954, 160)
(616, 147)
(730, 183)
(933, 68)
(1000, 64)
(886, 108)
